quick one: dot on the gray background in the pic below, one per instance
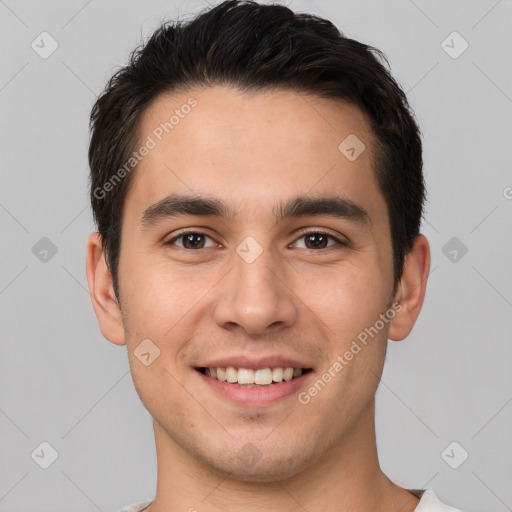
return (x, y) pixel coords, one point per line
(63, 383)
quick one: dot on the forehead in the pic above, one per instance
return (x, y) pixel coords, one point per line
(252, 147)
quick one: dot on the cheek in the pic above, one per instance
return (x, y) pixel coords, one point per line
(159, 390)
(350, 306)
(160, 295)
(166, 304)
(348, 300)
(357, 298)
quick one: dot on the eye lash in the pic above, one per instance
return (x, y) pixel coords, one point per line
(321, 232)
(299, 235)
(179, 235)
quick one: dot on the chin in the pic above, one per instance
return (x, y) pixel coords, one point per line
(251, 465)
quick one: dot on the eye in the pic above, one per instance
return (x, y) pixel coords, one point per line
(197, 240)
(190, 240)
(318, 240)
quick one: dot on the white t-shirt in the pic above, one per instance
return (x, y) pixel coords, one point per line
(429, 502)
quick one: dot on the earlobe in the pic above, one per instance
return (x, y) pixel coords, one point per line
(101, 291)
(411, 289)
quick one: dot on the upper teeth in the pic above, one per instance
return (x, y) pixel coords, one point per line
(262, 376)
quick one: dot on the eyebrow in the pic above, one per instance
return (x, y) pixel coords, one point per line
(177, 205)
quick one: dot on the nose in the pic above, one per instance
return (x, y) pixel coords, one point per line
(256, 297)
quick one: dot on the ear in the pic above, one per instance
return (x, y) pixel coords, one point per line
(101, 290)
(411, 289)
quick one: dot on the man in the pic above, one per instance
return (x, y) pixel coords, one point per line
(256, 178)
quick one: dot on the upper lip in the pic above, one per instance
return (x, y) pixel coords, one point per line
(255, 363)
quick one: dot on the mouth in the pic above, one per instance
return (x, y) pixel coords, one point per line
(253, 378)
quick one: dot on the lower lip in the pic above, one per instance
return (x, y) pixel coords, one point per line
(264, 395)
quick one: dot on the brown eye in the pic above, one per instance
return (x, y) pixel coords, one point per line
(190, 240)
(318, 240)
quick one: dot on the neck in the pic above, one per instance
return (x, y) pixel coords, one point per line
(347, 477)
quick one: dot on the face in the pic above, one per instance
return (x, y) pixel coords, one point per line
(262, 286)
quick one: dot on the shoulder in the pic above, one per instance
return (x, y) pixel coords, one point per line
(136, 507)
(429, 502)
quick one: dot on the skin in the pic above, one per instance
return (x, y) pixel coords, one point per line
(254, 151)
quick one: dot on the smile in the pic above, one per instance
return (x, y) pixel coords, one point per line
(248, 377)
(254, 387)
